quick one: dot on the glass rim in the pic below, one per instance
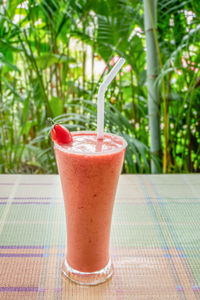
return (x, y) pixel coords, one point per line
(122, 147)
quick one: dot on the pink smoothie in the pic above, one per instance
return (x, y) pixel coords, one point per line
(89, 172)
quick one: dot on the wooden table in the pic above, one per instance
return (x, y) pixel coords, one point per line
(155, 241)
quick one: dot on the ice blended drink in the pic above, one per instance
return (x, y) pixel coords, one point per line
(89, 170)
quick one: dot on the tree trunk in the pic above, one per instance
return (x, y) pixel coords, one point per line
(150, 21)
(166, 154)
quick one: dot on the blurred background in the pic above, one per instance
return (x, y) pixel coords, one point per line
(53, 56)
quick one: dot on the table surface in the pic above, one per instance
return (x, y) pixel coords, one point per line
(155, 239)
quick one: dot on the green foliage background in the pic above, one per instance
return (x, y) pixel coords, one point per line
(41, 77)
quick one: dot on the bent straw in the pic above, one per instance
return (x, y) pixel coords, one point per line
(101, 95)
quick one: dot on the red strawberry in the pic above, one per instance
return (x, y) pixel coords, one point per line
(61, 135)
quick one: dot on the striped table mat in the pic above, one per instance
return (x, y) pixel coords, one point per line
(155, 240)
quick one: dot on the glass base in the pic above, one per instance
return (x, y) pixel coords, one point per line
(86, 278)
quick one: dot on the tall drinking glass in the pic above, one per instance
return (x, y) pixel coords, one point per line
(89, 170)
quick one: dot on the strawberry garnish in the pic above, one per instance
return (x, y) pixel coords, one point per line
(61, 135)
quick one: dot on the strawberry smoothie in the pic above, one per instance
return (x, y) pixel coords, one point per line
(89, 171)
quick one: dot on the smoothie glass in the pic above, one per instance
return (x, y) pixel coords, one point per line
(89, 181)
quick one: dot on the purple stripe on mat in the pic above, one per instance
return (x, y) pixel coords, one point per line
(31, 202)
(196, 288)
(18, 289)
(7, 183)
(32, 198)
(28, 198)
(179, 288)
(23, 247)
(21, 255)
(58, 289)
(129, 199)
(27, 203)
(26, 289)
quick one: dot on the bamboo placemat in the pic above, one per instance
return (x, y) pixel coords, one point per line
(155, 241)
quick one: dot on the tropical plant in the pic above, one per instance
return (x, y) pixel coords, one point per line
(49, 52)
